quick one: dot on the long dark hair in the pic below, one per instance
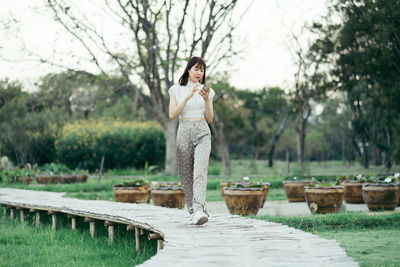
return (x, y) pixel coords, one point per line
(183, 80)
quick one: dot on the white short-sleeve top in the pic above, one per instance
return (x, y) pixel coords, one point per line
(195, 107)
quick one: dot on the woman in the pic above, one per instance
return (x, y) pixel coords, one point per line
(192, 101)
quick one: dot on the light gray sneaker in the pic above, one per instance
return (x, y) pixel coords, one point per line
(199, 218)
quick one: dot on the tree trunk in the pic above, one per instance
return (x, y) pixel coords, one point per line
(287, 161)
(170, 130)
(343, 150)
(218, 129)
(376, 155)
(300, 143)
(365, 159)
(275, 139)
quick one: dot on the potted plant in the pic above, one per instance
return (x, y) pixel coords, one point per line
(324, 197)
(59, 173)
(381, 194)
(24, 175)
(137, 191)
(352, 187)
(168, 194)
(244, 199)
(294, 188)
(224, 184)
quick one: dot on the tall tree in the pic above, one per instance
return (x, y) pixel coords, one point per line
(159, 37)
(365, 51)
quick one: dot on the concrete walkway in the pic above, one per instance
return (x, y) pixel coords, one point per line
(226, 240)
(282, 207)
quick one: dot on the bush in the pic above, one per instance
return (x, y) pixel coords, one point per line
(124, 144)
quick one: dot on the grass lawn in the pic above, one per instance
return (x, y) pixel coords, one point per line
(371, 240)
(22, 244)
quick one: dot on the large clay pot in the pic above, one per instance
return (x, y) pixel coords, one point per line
(170, 197)
(67, 178)
(81, 178)
(324, 199)
(380, 196)
(25, 179)
(46, 179)
(353, 191)
(244, 201)
(132, 194)
(266, 189)
(295, 189)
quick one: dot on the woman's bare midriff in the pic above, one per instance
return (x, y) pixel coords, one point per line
(191, 119)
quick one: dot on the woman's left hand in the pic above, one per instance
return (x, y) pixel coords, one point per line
(204, 92)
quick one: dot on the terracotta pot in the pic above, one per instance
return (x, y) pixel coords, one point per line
(295, 190)
(380, 196)
(81, 178)
(132, 194)
(44, 179)
(25, 179)
(398, 188)
(224, 184)
(67, 178)
(324, 199)
(266, 189)
(170, 197)
(353, 191)
(244, 201)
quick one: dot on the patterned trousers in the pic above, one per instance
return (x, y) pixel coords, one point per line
(193, 146)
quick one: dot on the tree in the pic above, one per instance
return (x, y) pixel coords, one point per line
(160, 36)
(365, 54)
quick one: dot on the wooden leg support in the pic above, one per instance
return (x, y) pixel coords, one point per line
(37, 217)
(12, 213)
(5, 210)
(73, 221)
(158, 237)
(137, 238)
(137, 235)
(110, 231)
(22, 215)
(92, 225)
(53, 219)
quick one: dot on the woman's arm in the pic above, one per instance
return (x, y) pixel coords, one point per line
(174, 109)
(209, 113)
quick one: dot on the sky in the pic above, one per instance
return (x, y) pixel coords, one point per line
(264, 35)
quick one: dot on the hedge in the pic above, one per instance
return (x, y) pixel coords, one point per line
(124, 144)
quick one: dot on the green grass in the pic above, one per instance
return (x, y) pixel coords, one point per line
(371, 240)
(23, 244)
(369, 247)
(260, 167)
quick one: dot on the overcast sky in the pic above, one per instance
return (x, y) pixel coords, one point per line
(265, 31)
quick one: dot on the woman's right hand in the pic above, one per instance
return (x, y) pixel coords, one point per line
(195, 88)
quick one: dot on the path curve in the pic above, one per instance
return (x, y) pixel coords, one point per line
(229, 240)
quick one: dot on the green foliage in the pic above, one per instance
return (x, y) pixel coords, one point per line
(9, 172)
(55, 168)
(135, 183)
(123, 144)
(363, 53)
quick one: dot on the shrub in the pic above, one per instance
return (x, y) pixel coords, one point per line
(124, 144)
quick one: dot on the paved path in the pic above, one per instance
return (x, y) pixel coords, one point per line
(227, 240)
(281, 207)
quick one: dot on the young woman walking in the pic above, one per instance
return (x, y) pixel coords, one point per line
(192, 101)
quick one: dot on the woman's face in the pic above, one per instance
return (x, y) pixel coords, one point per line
(196, 73)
